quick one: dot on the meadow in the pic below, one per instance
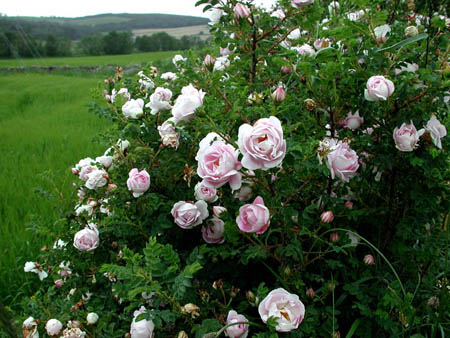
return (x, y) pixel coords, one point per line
(45, 128)
(88, 61)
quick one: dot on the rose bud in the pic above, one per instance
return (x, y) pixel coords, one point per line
(111, 187)
(334, 237)
(217, 210)
(327, 217)
(241, 11)
(53, 327)
(191, 309)
(59, 283)
(92, 318)
(182, 334)
(369, 260)
(279, 95)
(209, 62)
(411, 31)
(310, 293)
(250, 296)
(286, 70)
(349, 205)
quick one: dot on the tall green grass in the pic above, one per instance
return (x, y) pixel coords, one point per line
(79, 61)
(45, 128)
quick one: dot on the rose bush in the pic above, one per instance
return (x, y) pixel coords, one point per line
(329, 209)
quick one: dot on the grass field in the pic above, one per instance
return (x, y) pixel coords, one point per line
(45, 128)
(79, 61)
(177, 32)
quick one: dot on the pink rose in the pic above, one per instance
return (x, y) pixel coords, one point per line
(353, 121)
(138, 182)
(209, 61)
(305, 49)
(83, 174)
(204, 192)
(301, 3)
(187, 215)
(239, 330)
(284, 306)
(262, 145)
(378, 88)
(212, 232)
(321, 43)
(186, 104)
(407, 137)
(436, 130)
(342, 161)
(87, 239)
(254, 217)
(159, 100)
(96, 179)
(218, 163)
(241, 11)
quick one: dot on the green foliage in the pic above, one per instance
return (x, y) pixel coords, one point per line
(377, 268)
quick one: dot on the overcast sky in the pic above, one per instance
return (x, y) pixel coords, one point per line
(75, 8)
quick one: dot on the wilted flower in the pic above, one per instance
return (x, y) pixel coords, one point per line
(29, 328)
(191, 309)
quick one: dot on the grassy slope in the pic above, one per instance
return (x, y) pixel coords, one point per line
(45, 128)
(120, 60)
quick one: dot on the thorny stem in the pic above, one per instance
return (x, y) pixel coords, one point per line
(262, 246)
(280, 40)
(254, 59)
(229, 105)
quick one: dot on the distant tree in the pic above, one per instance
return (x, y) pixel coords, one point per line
(118, 43)
(51, 45)
(92, 45)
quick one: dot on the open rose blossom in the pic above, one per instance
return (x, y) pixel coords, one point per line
(205, 192)
(186, 104)
(262, 145)
(87, 239)
(342, 161)
(254, 217)
(143, 328)
(436, 130)
(378, 88)
(187, 215)
(53, 327)
(407, 137)
(353, 121)
(212, 232)
(238, 330)
(218, 163)
(96, 179)
(301, 3)
(133, 109)
(159, 100)
(284, 306)
(138, 182)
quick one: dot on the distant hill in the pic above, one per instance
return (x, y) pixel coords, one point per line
(77, 28)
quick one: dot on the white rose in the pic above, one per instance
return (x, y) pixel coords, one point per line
(143, 328)
(53, 327)
(133, 109)
(96, 179)
(378, 88)
(92, 318)
(159, 100)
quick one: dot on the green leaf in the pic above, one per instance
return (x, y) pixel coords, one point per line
(404, 43)
(353, 328)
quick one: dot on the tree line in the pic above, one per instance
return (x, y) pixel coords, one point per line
(17, 43)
